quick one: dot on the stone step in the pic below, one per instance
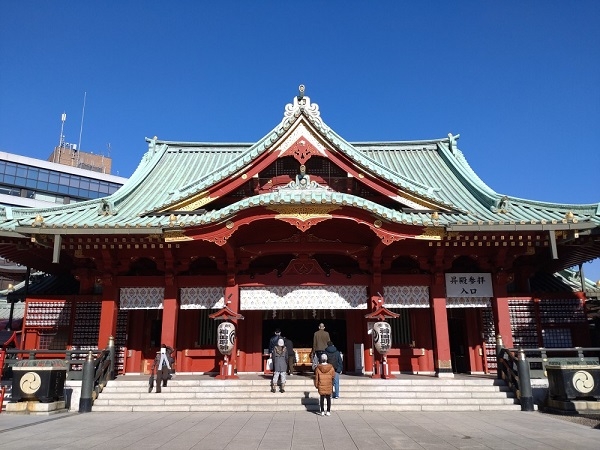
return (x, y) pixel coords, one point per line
(297, 388)
(178, 392)
(158, 399)
(189, 380)
(252, 393)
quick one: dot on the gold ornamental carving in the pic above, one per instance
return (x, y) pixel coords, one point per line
(176, 236)
(303, 212)
(387, 237)
(221, 235)
(192, 203)
(432, 234)
(303, 224)
(305, 238)
(196, 204)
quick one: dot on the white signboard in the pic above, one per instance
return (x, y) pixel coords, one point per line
(469, 285)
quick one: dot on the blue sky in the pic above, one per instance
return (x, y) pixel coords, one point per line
(520, 81)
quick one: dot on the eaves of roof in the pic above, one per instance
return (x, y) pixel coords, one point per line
(88, 222)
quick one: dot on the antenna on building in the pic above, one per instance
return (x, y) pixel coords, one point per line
(82, 115)
(61, 139)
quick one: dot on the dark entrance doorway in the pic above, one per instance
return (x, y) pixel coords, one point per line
(301, 331)
(457, 329)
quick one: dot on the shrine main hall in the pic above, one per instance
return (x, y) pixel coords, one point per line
(299, 228)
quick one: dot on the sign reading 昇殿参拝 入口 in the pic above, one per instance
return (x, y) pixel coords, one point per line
(469, 285)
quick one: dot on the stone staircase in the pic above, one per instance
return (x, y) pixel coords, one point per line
(252, 393)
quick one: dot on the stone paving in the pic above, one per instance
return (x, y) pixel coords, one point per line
(295, 430)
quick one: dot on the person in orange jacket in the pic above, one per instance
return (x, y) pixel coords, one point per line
(324, 376)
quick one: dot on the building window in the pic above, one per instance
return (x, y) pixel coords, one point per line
(207, 332)
(401, 334)
(557, 338)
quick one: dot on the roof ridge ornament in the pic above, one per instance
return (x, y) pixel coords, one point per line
(452, 142)
(106, 208)
(302, 104)
(303, 182)
(503, 205)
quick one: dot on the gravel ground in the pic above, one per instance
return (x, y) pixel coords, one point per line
(588, 420)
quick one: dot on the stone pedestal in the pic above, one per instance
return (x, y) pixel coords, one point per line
(575, 406)
(36, 408)
(570, 382)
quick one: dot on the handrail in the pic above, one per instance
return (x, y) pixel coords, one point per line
(74, 359)
(96, 373)
(513, 368)
(540, 357)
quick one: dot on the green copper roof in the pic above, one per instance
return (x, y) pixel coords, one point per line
(170, 172)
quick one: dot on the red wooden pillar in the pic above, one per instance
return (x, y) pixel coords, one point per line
(442, 360)
(232, 301)
(501, 310)
(170, 316)
(421, 326)
(250, 343)
(108, 311)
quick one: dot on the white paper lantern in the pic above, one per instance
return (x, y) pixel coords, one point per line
(225, 337)
(382, 337)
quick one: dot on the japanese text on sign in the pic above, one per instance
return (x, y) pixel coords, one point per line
(469, 285)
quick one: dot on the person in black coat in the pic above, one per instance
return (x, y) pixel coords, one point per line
(289, 345)
(273, 341)
(335, 359)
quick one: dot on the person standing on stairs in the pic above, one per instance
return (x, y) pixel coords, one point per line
(289, 345)
(324, 376)
(162, 367)
(273, 341)
(320, 339)
(280, 363)
(335, 359)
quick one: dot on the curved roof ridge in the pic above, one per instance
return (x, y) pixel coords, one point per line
(457, 162)
(489, 197)
(231, 167)
(204, 143)
(312, 198)
(144, 168)
(416, 142)
(150, 159)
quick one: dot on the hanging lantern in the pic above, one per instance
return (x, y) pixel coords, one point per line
(382, 337)
(225, 337)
